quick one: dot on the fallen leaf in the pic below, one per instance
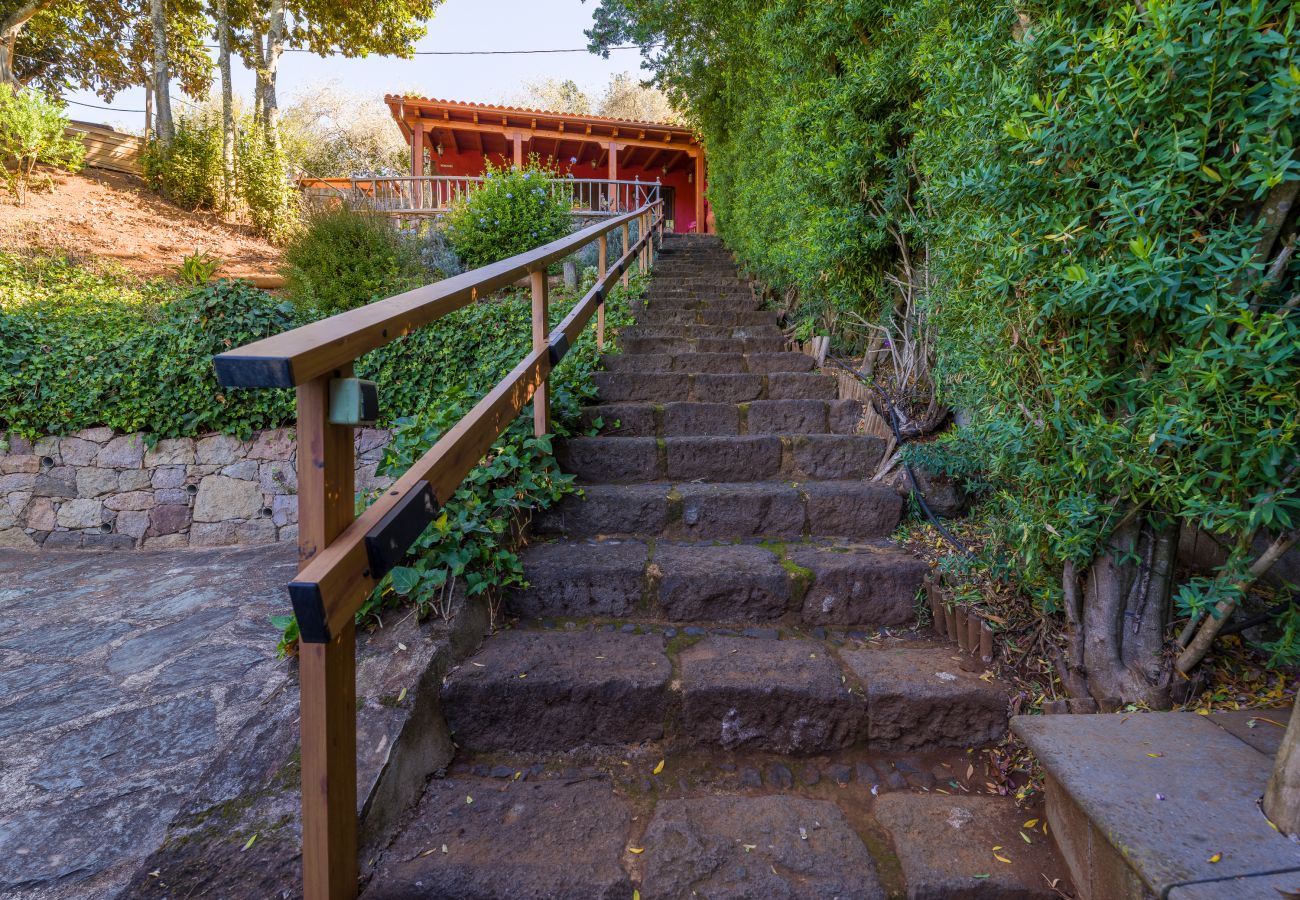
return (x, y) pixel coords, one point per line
(430, 850)
(401, 696)
(636, 849)
(749, 847)
(1001, 858)
(156, 873)
(468, 799)
(401, 646)
(1032, 823)
(1155, 755)
(1215, 858)
(1025, 838)
(659, 768)
(249, 842)
(480, 665)
(523, 674)
(636, 895)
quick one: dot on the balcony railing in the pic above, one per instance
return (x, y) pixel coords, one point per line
(433, 195)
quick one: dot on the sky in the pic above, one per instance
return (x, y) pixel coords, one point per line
(456, 25)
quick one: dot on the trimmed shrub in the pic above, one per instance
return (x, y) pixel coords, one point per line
(262, 180)
(188, 173)
(346, 258)
(513, 211)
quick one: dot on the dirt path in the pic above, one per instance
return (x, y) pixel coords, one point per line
(114, 216)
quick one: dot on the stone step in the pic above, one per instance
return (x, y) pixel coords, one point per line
(705, 315)
(701, 332)
(563, 833)
(663, 344)
(858, 510)
(545, 691)
(718, 363)
(813, 583)
(643, 419)
(624, 460)
(712, 387)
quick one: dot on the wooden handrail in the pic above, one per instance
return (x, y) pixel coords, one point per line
(342, 558)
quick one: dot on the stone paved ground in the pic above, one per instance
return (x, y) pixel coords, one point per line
(121, 676)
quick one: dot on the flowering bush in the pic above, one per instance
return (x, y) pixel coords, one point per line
(514, 210)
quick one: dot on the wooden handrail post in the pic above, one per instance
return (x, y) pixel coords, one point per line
(627, 245)
(327, 673)
(600, 310)
(542, 398)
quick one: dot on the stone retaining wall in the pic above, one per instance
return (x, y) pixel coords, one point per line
(98, 489)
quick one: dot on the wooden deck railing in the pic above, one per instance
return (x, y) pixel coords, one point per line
(341, 557)
(433, 195)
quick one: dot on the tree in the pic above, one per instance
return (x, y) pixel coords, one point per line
(627, 97)
(103, 47)
(32, 131)
(227, 105)
(162, 80)
(332, 132)
(266, 28)
(553, 95)
(1282, 798)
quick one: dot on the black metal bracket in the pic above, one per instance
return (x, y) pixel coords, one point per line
(557, 348)
(253, 371)
(389, 540)
(309, 610)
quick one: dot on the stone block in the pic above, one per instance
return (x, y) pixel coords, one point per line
(134, 479)
(861, 585)
(755, 847)
(767, 363)
(284, 510)
(607, 509)
(801, 386)
(279, 477)
(16, 539)
(48, 447)
(18, 445)
(218, 450)
(581, 689)
(279, 443)
(166, 541)
(787, 417)
(827, 456)
(81, 514)
(92, 482)
(60, 481)
(171, 452)
(258, 531)
(852, 509)
(609, 460)
(372, 439)
(133, 500)
(581, 578)
(100, 435)
(123, 452)
(682, 418)
(168, 477)
(221, 498)
(244, 470)
(133, 523)
(18, 481)
(621, 419)
(173, 496)
(739, 510)
(641, 386)
(731, 388)
(212, 534)
(758, 694)
(29, 464)
(845, 415)
(719, 583)
(746, 458)
(78, 452)
(41, 515)
(920, 699)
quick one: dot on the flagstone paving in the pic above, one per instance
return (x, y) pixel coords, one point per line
(122, 675)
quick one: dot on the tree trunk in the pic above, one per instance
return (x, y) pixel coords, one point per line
(274, 49)
(1118, 621)
(1282, 799)
(227, 107)
(11, 26)
(148, 109)
(162, 73)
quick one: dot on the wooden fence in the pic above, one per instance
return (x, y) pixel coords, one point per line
(342, 557)
(109, 149)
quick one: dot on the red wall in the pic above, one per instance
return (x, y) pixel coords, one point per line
(470, 162)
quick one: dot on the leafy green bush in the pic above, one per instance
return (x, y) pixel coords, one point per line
(262, 181)
(83, 348)
(513, 211)
(346, 258)
(32, 131)
(188, 173)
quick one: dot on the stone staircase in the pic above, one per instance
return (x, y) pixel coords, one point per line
(718, 610)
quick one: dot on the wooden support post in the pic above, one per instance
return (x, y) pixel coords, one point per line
(613, 166)
(326, 672)
(699, 193)
(417, 149)
(642, 261)
(518, 140)
(602, 263)
(542, 398)
(627, 244)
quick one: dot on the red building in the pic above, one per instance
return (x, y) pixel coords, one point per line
(450, 137)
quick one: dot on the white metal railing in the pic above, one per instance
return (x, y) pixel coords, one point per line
(432, 195)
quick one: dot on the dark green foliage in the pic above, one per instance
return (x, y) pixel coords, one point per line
(514, 211)
(1078, 186)
(346, 258)
(189, 173)
(82, 348)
